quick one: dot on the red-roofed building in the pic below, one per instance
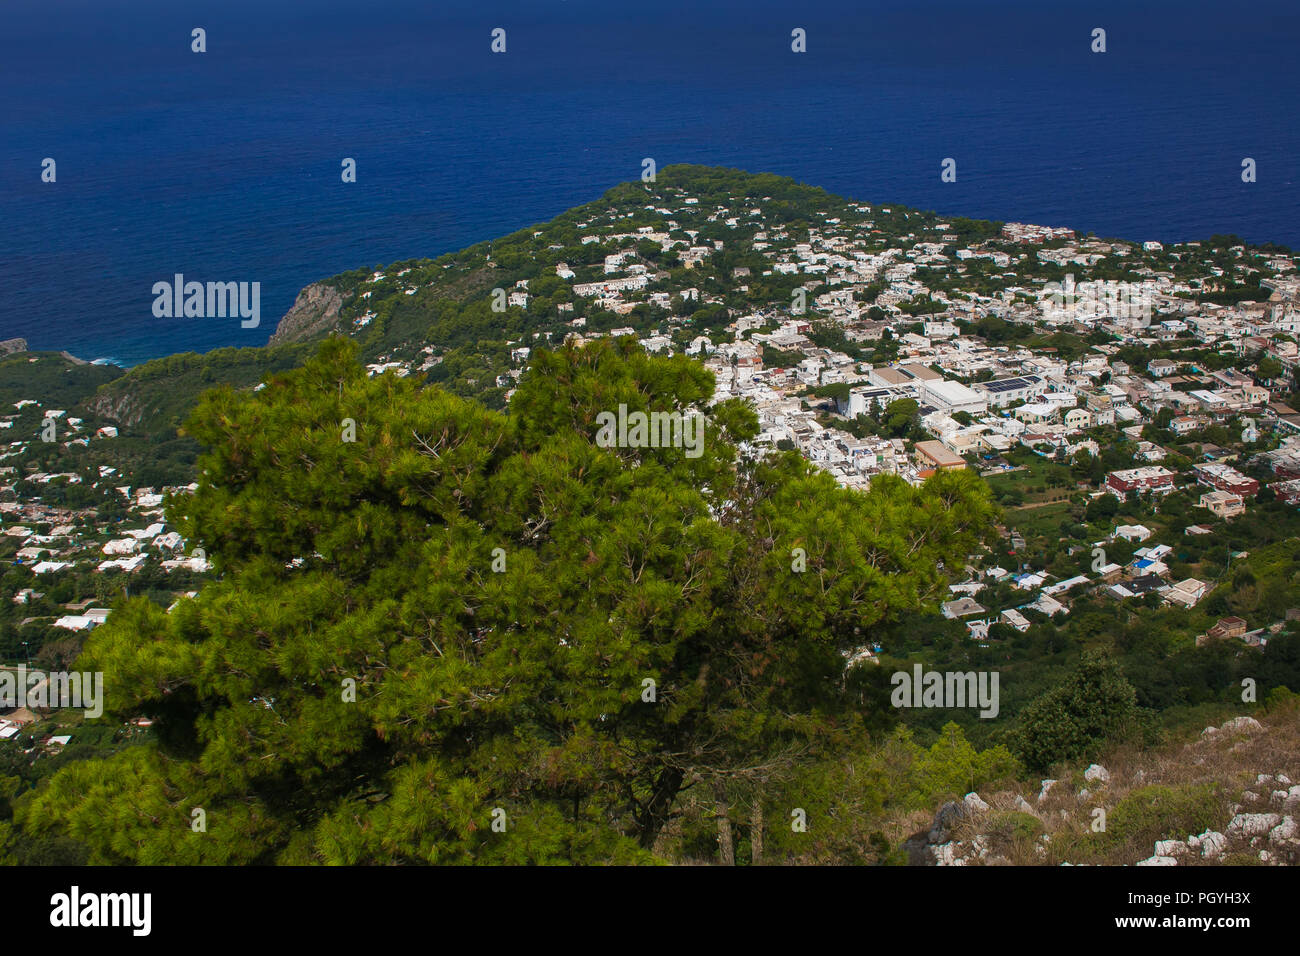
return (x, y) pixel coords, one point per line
(1151, 478)
(1226, 478)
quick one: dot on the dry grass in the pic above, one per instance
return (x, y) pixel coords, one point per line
(1172, 792)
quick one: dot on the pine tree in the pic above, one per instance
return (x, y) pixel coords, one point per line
(469, 636)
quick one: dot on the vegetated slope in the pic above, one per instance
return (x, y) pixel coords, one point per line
(516, 694)
(51, 378)
(155, 398)
(1230, 795)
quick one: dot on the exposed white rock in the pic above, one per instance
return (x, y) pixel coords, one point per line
(1211, 843)
(1250, 825)
(1241, 725)
(974, 803)
(946, 855)
(1284, 832)
(1096, 772)
(1170, 847)
(1158, 861)
(1046, 787)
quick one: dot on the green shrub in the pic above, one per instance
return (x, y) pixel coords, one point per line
(1161, 812)
(1014, 826)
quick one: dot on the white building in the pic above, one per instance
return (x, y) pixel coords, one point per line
(952, 397)
(1005, 391)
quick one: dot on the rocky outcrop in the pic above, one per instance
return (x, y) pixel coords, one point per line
(1262, 826)
(117, 406)
(1248, 825)
(974, 804)
(937, 846)
(1170, 847)
(1096, 773)
(9, 346)
(1211, 844)
(1238, 725)
(314, 313)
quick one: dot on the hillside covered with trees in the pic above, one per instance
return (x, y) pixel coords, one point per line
(468, 636)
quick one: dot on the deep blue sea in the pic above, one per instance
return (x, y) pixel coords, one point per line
(225, 165)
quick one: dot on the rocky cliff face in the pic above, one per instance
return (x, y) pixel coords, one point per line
(314, 312)
(125, 409)
(13, 345)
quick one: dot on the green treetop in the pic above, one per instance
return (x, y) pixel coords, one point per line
(436, 642)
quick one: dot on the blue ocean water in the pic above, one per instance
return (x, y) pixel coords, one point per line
(225, 165)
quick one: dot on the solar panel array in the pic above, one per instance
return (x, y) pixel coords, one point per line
(1010, 384)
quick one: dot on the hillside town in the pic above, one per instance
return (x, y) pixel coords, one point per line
(872, 340)
(1210, 398)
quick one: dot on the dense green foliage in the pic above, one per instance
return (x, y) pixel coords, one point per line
(1096, 706)
(51, 379)
(154, 398)
(486, 680)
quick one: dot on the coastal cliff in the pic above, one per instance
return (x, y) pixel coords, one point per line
(314, 312)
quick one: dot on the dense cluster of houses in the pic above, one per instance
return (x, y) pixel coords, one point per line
(1007, 395)
(53, 537)
(977, 399)
(1145, 573)
(863, 277)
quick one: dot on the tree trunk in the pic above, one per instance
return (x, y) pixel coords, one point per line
(726, 848)
(756, 833)
(652, 817)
